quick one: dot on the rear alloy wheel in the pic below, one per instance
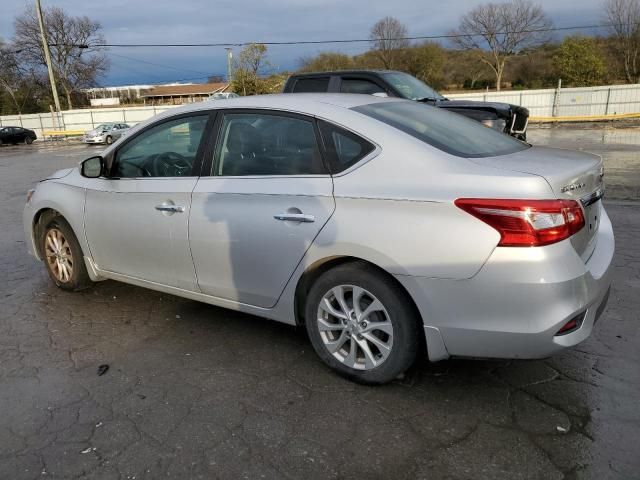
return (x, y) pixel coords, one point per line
(63, 256)
(360, 324)
(109, 140)
(28, 140)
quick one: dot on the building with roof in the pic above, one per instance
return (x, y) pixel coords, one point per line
(179, 94)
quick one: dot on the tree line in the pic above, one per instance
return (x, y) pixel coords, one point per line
(495, 45)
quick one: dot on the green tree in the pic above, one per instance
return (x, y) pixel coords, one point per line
(325, 62)
(424, 61)
(246, 74)
(580, 61)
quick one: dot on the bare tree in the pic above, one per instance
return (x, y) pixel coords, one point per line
(77, 57)
(388, 36)
(624, 18)
(501, 30)
(9, 72)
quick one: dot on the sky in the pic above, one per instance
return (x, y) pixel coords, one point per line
(207, 21)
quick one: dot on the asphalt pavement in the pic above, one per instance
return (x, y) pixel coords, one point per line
(194, 391)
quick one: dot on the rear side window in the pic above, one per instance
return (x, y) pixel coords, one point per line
(311, 85)
(343, 148)
(255, 144)
(446, 131)
(356, 85)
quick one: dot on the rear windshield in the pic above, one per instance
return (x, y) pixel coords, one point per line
(450, 132)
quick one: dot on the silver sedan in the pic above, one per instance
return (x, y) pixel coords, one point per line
(106, 133)
(386, 227)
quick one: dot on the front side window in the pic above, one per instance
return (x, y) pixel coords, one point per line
(343, 148)
(357, 85)
(446, 131)
(165, 150)
(267, 144)
(311, 85)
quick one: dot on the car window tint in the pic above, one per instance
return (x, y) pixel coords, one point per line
(267, 144)
(343, 148)
(165, 150)
(446, 131)
(311, 85)
(356, 85)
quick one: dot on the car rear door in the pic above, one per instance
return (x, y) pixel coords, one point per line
(136, 221)
(267, 197)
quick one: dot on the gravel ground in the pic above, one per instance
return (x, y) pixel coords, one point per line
(195, 391)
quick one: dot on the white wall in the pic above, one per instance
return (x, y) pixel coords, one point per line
(571, 102)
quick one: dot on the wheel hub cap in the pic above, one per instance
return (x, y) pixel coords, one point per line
(355, 327)
(58, 255)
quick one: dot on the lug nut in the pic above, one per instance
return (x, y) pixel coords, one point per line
(363, 324)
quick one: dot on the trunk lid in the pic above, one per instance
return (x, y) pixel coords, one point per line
(571, 175)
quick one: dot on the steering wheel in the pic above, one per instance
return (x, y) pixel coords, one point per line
(170, 164)
(141, 169)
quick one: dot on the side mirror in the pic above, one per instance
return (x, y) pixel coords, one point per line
(92, 167)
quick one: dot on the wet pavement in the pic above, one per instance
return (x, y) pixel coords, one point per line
(618, 144)
(195, 391)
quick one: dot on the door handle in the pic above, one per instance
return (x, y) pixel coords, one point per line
(295, 217)
(165, 207)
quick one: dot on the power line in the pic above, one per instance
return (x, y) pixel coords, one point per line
(158, 64)
(319, 42)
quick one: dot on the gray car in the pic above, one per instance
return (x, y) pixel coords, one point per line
(106, 133)
(387, 228)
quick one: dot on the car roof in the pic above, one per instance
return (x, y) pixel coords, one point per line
(343, 72)
(302, 102)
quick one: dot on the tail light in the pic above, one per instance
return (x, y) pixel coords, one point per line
(527, 223)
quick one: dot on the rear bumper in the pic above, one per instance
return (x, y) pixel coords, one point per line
(515, 305)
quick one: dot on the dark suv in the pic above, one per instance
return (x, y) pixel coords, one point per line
(507, 118)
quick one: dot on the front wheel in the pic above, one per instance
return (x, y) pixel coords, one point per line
(361, 324)
(28, 140)
(109, 140)
(63, 256)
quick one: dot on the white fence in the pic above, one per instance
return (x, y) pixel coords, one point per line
(567, 102)
(571, 102)
(85, 119)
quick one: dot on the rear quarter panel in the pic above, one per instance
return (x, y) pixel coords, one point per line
(397, 211)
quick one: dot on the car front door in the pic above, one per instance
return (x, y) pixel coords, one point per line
(255, 216)
(136, 220)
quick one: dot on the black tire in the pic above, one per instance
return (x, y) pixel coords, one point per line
(28, 140)
(109, 140)
(79, 278)
(402, 315)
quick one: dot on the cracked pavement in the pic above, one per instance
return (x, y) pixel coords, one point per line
(195, 391)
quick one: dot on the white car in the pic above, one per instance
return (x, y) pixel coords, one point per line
(380, 224)
(106, 133)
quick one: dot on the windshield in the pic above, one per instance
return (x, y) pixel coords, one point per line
(410, 87)
(104, 126)
(450, 132)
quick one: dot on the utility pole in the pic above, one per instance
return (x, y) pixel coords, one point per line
(47, 56)
(229, 61)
